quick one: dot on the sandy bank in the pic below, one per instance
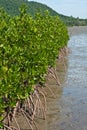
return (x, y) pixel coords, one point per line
(75, 30)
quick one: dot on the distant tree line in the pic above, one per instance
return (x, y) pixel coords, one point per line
(71, 21)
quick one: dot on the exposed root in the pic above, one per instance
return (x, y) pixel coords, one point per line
(27, 119)
(16, 108)
(50, 91)
(7, 127)
(64, 51)
(40, 108)
(35, 107)
(52, 72)
(45, 106)
(18, 127)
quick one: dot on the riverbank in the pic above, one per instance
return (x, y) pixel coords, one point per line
(75, 30)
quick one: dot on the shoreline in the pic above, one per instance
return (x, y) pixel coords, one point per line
(76, 30)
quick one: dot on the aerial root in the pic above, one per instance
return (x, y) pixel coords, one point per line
(50, 90)
(52, 73)
(64, 51)
(32, 108)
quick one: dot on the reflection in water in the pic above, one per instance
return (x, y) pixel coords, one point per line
(74, 96)
(68, 111)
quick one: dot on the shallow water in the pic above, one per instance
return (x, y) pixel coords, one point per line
(68, 111)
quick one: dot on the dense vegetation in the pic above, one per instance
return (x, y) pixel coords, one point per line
(11, 7)
(71, 21)
(28, 47)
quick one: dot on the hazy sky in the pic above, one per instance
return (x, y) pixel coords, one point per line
(76, 8)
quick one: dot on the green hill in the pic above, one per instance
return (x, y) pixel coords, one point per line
(12, 8)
